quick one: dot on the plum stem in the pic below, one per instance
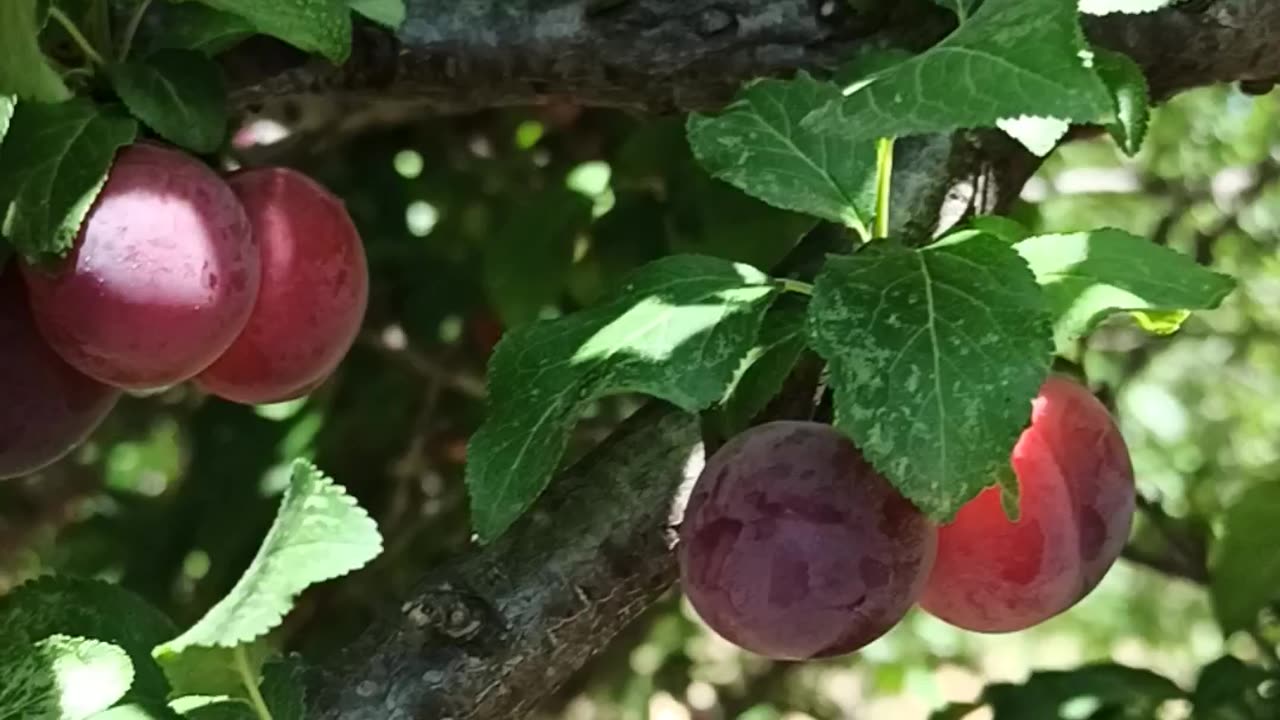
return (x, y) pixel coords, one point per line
(884, 183)
(131, 30)
(78, 37)
(251, 684)
(795, 286)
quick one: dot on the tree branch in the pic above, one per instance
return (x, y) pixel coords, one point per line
(659, 56)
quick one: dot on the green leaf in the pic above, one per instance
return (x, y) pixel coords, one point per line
(1106, 7)
(1049, 695)
(935, 355)
(1128, 87)
(962, 8)
(390, 13)
(1013, 58)
(766, 367)
(62, 678)
(319, 533)
(999, 226)
(191, 26)
(284, 689)
(7, 105)
(758, 145)
(139, 711)
(1246, 568)
(1228, 689)
(215, 671)
(317, 26)
(528, 260)
(1088, 276)
(24, 70)
(678, 331)
(180, 94)
(1040, 135)
(55, 160)
(97, 611)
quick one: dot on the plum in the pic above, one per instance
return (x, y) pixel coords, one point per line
(47, 407)
(315, 287)
(1075, 509)
(161, 277)
(794, 547)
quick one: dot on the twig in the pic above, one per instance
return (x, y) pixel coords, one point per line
(462, 382)
(78, 37)
(131, 29)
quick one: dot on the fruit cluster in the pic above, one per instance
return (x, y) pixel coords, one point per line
(794, 547)
(253, 287)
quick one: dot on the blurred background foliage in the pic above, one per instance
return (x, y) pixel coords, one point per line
(481, 222)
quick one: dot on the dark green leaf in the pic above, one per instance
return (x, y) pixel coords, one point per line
(1088, 276)
(1013, 58)
(1106, 7)
(766, 367)
(1228, 689)
(390, 13)
(7, 106)
(55, 160)
(962, 8)
(679, 330)
(956, 711)
(24, 70)
(527, 262)
(139, 711)
(935, 355)
(1128, 87)
(1049, 695)
(757, 144)
(284, 689)
(180, 94)
(1246, 568)
(97, 611)
(191, 26)
(318, 26)
(62, 678)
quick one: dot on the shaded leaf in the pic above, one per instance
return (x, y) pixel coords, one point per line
(935, 355)
(62, 678)
(1228, 689)
(180, 94)
(97, 611)
(1050, 695)
(55, 160)
(758, 145)
(318, 26)
(1012, 58)
(766, 366)
(192, 26)
(390, 13)
(678, 331)
(1128, 87)
(1246, 569)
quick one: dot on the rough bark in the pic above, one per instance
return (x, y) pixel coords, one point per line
(657, 55)
(494, 632)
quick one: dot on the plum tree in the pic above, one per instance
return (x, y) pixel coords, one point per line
(47, 407)
(1075, 509)
(315, 287)
(794, 547)
(161, 277)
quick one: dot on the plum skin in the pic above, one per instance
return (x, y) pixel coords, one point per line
(47, 407)
(1076, 507)
(160, 279)
(793, 547)
(315, 289)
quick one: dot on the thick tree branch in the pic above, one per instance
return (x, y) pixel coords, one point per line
(655, 55)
